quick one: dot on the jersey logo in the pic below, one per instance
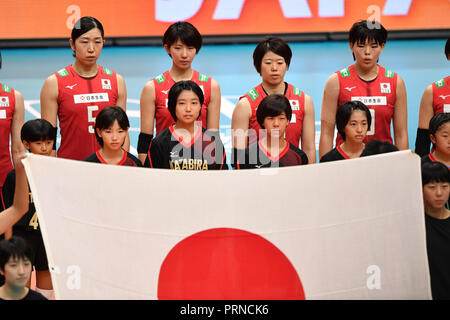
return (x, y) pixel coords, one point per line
(350, 88)
(345, 73)
(444, 97)
(173, 154)
(165, 91)
(385, 87)
(63, 73)
(389, 74)
(107, 71)
(297, 91)
(372, 101)
(258, 166)
(160, 78)
(253, 94)
(446, 108)
(295, 105)
(4, 101)
(91, 97)
(202, 78)
(106, 84)
(6, 88)
(440, 83)
(71, 87)
(2, 114)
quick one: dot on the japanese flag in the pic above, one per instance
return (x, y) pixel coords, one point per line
(117, 232)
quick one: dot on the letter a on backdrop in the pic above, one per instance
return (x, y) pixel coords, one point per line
(349, 229)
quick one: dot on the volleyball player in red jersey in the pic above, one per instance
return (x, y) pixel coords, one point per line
(11, 121)
(435, 99)
(76, 94)
(182, 42)
(111, 129)
(271, 59)
(381, 90)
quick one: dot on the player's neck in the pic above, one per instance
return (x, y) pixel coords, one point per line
(352, 149)
(367, 74)
(441, 157)
(13, 293)
(441, 213)
(274, 145)
(186, 131)
(83, 70)
(178, 74)
(274, 89)
(112, 156)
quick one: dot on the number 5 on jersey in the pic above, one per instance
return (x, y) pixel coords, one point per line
(91, 118)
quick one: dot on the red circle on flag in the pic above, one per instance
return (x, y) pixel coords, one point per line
(3, 99)
(224, 264)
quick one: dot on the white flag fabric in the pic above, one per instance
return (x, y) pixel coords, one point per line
(350, 229)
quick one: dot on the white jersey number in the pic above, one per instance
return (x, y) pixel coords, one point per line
(91, 118)
(372, 125)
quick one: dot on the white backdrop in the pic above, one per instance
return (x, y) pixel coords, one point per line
(352, 229)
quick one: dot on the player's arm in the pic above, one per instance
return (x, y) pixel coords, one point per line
(49, 102)
(148, 109)
(17, 147)
(400, 119)
(122, 102)
(213, 117)
(328, 114)
(20, 205)
(239, 123)
(309, 130)
(426, 112)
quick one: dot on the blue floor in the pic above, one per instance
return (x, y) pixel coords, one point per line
(418, 62)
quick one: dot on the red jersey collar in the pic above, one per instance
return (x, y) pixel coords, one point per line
(180, 140)
(272, 158)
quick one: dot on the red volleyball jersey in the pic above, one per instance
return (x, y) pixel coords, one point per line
(7, 106)
(296, 99)
(379, 95)
(441, 95)
(163, 83)
(79, 101)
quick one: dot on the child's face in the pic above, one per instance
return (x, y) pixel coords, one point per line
(188, 107)
(276, 126)
(17, 272)
(441, 139)
(356, 128)
(435, 194)
(42, 147)
(113, 137)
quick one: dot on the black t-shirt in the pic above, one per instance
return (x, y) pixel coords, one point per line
(256, 156)
(32, 295)
(333, 155)
(127, 160)
(438, 247)
(29, 221)
(204, 152)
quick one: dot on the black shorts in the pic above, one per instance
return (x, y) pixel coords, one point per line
(35, 242)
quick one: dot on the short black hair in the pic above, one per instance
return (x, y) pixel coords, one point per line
(435, 172)
(83, 25)
(275, 45)
(184, 31)
(447, 49)
(15, 247)
(106, 118)
(376, 147)
(271, 106)
(176, 90)
(344, 112)
(37, 130)
(437, 121)
(367, 30)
